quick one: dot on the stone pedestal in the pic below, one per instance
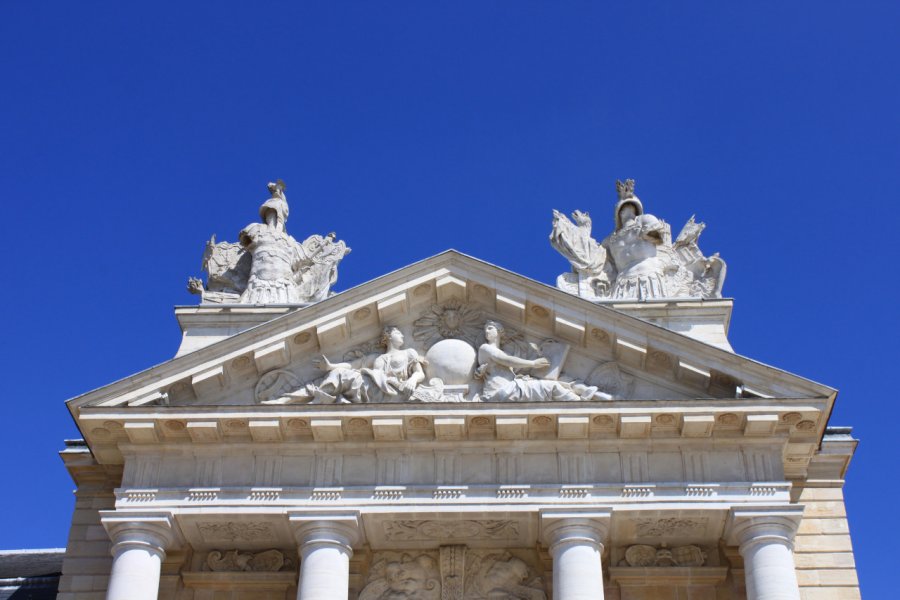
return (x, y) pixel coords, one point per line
(575, 540)
(765, 540)
(325, 543)
(139, 543)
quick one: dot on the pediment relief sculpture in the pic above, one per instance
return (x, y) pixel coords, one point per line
(450, 370)
(638, 260)
(267, 265)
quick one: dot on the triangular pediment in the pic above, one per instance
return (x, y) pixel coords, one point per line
(445, 297)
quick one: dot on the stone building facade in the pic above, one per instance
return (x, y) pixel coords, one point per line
(452, 430)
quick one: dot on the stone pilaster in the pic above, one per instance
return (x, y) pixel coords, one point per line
(576, 540)
(139, 544)
(325, 543)
(764, 536)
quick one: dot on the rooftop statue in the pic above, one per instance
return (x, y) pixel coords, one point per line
(638, 260)
(268, 266)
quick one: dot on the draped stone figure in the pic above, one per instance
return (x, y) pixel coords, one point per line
(268, 266)
(394, 376)
(638, 260)
(497, 369)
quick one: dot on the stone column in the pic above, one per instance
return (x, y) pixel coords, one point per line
(325, 543)
(575, 540)
(765, 538)
(139, 543)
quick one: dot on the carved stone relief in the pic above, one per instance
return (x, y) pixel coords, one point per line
(500, 576)
(236, 532)
(452, 573)
(642, 555)
(508, 366)
(672, 526)
(423, 530)
(402, 576)
(638, 261)
(236, 560)
(454, 319)
(268, 266)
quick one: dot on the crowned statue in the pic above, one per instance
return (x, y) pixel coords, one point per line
(638, 260)
(268, 266)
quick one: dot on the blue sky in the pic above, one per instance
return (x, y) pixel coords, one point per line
(131, 132)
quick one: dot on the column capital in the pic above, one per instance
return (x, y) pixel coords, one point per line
(748, 525)
(152, 531)
(575, 525)
(341, 528)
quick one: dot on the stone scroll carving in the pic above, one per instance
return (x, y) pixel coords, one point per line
(638, 260)
(642, 555)
(507, 366)
(236, 560)
(424, 530)
(216, 531)
(268, 266)
(453, 573)
(401, 576)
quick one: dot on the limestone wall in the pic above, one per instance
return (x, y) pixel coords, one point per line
(88, 560)
(822, 549)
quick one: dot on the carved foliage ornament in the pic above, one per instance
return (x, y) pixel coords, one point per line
(672, 526)
(456, 573)
(422, 530)
(236, 560)
(642, 555)
(236, 532)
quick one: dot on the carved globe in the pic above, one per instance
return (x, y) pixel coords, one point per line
(453, 361)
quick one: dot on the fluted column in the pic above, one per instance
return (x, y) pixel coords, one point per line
(765, 538)
(575, 540)
(139, 543)
(325, 543)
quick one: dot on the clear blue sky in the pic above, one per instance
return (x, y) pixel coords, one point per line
(130, 132)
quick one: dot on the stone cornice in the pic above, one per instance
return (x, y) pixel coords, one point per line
(412, 498)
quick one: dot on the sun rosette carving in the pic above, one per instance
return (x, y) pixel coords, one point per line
(500, 576)
(453, 319)
(403, 576)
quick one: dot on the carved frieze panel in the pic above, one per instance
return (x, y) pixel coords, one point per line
(425, 530)
(670, 526)
(454, 572)
(216, 531)
(236, 560)
(643, 555)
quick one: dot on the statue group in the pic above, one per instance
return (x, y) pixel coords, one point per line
(398, 374)
(268, 266)
(638, 260)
